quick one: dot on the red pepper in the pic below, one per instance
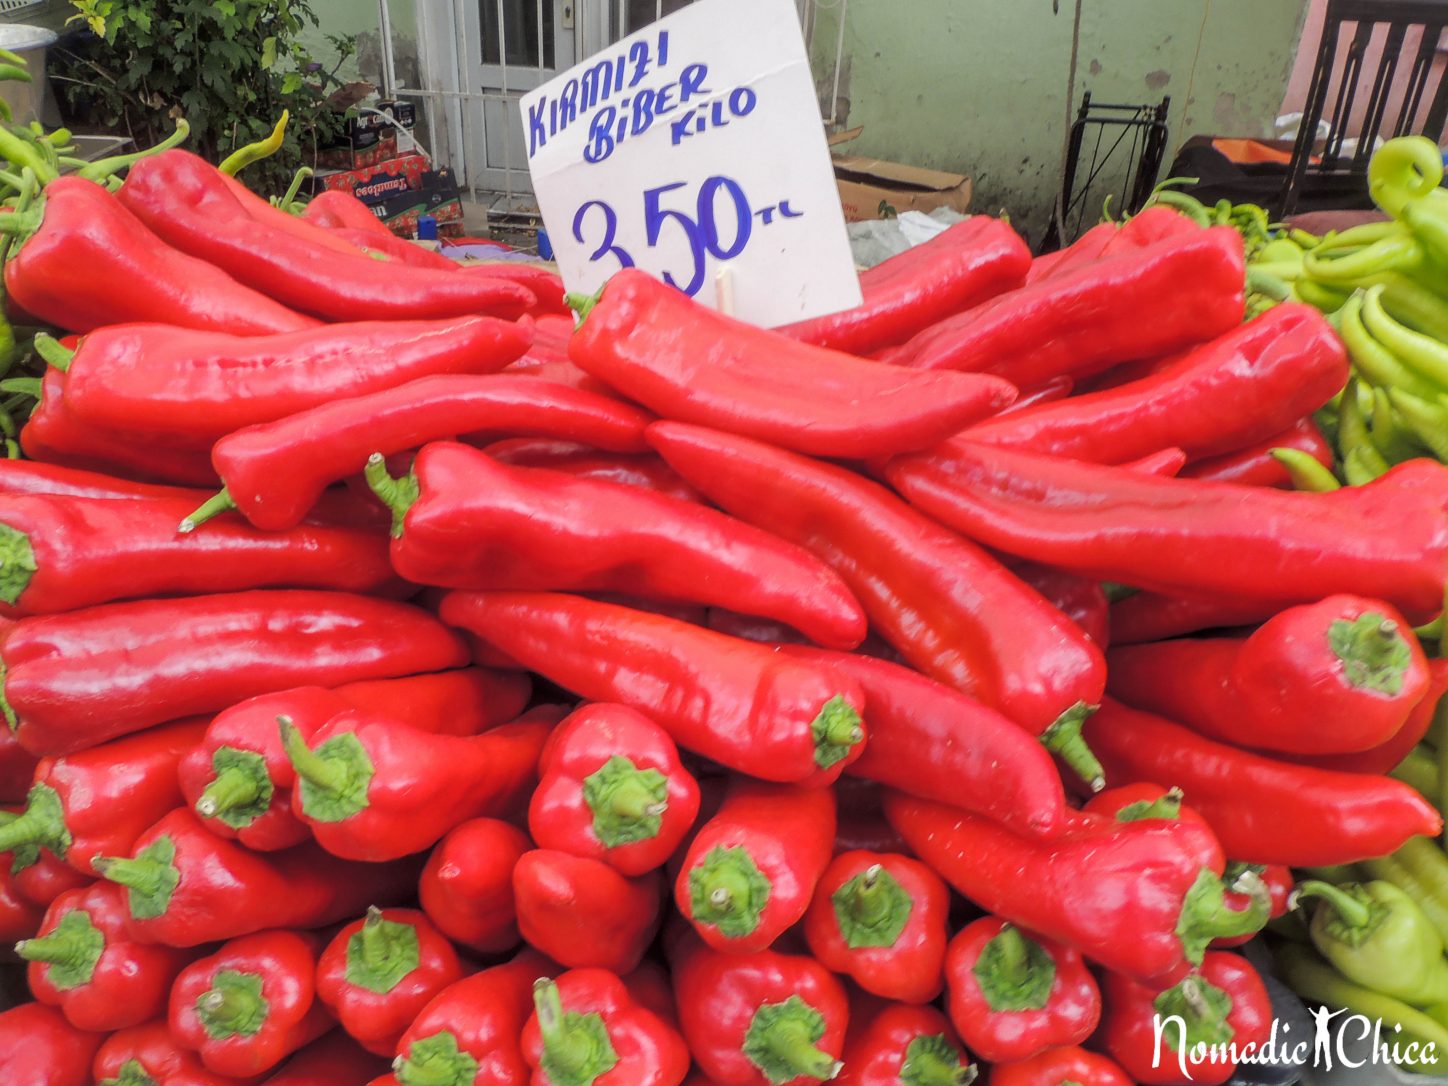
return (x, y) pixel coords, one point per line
(17, 768)
(861, 824)
(1013, 996)
(1262, 810)
(471, 1032)
(1280, 883)
(30, 477)
(275, 471)
(188, 886)
(893, 1044)
(1139, 304)
(182, 199)
(730, 700)
(1144, 800)
(36, 875)
(1084, 250)
(880, 919)
(761, 1018)
(1153, 616)
(374, 789)
(1152, 1033)
(588, 1027)
(390, 247)
(38, 1047)
(335, 209)
(648, 472)
(1234, 390)
(584, 914)
(149, 1056)
(687, 362)
(269, 215)
(377, 974)
(85, 262)
(1386, 756)
(1148, 227)
(20, 918)
(1254, 465)
(962, 266)
(334, 1060)
(1135, 896)
(611, 788)
(1081, 599)
(933, 596)
(251, 1004)
(1332, 677)
(74, 680)
(751, 870)
(546, 286)
(85, 962)
(463, 520)
(1070, 1066)
(1386, 540)
(466, 888)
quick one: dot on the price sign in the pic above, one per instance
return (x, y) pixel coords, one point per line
(691, 147)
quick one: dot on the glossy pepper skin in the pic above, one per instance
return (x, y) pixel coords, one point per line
(371, 788)
(588, 1027)
(1059, 1066)
(17, 767)
(646, 471)
(40, 1048)
(181, 198)
(186, 886)
(880, 918)
(1136, 897)
(611, 788)
(1254, 464)
(1386, 540)
(84, 961)
(1377, 936)
(463, 520)
(466, 889)
(584, 914)
(275, 471)
(333, 1060)
(156, 660)
(935, 597)
(30, 477)
(730, 700)
(378, 973)
(761, 1018)
(1387, 755)
(964, 265)
(20, 918)
(1225, 1003)
(1141, 304)
(752, 868)
(896, 1044)
(1013, 996)
(251, 1004)
(1085, 249)
(88, 262)
(725, 373)
(147, 1055)
(1262, 810)
(36, 875)
(1155, 616)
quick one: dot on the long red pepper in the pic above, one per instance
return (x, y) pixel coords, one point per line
(74, 680)
(685, 361)
(333, 209)
(962, 266)
(1254, 465)
(733, 701)
(935, 597)
(389, 246)
(265, 213)
(1154, 616)
(466, 889)
(188, 887)
(84, 262)
(1386, 756)
(545, 286)
(1081, 599)
(464, 520)
(38, 1047)
(333, 1060)
(1387, 539)
(1085, 249)
(147, 1055)
(182, 199)
(1262, 810)
(894, 1044)
(584, 914)
(1060, 1066)
(646, 471)
(26, 478)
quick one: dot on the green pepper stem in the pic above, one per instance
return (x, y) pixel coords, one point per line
(569, 1051)
(229, 1011)
(1063, 739)
(374, 941)
(230, 789)
(632, 799)
(312, 768)
(1206, 915)
(788, 1041)
(397, 494)
(103, 168)
(582, 304)
(868, 899)
(51, 350)
(145, 876)
(295, 187)
(30, 827)
(214, 506)
(1353, 912)
(55, 949)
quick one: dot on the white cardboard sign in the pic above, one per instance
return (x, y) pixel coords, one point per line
(690, 148)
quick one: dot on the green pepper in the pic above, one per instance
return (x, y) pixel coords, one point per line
(255, 152)
(1374, 363)
(1404, 169)
(1428, 419)
(1345, 265)
(1390, 437)
(1321, 296)
(1305, 471)
(1422, 354)
(1417, 872)
(1376, 936)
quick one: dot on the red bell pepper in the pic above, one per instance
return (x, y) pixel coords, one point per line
(188, 887)
(1154, 1034)
(611, 788)
(964, 265)
(376, 789)
(935, 597)
(466, 889)
(334, 1060)
(751, 870)
(336, 209)
(275, 471)
(1386, 540)
(1140, 304)
(1386, 756)
(85, 962)
(1262, 810)
(148, 1055)
(584, 914)
(85, 262)
(1013, 996)
(36, 875)
(1135, 896)
(881, 919)
(647, 471)
(735, 702)
(251, 1004)
(1069, 1066)
(38, 1047)
(74, 680)
(589, 1027)
(685, 361)
(20, 918)
(894, 1044)
(464, 520)
(1254, 465)
(181, 198)
(761, 1018)
(377, 974)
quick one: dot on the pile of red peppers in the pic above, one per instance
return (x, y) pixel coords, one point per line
(405, 685)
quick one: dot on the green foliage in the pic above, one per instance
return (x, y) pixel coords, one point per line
(228, 66)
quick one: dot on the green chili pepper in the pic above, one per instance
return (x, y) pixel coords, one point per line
(1375, 363)
(1329, 299)
(103, 168)
(1347, 266)
(1419, 770)
(1402, 170)
(1419, 353)
(1378, 937)
(288, 202)
(1305, 471)
(255, 152)
(1390, 437)
(1281, 251)
(1427, 419)
(1189, 206)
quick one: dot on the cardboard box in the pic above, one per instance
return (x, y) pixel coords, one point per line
(437, 196)
(375, 182)
(870, 187)
(364, 148)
